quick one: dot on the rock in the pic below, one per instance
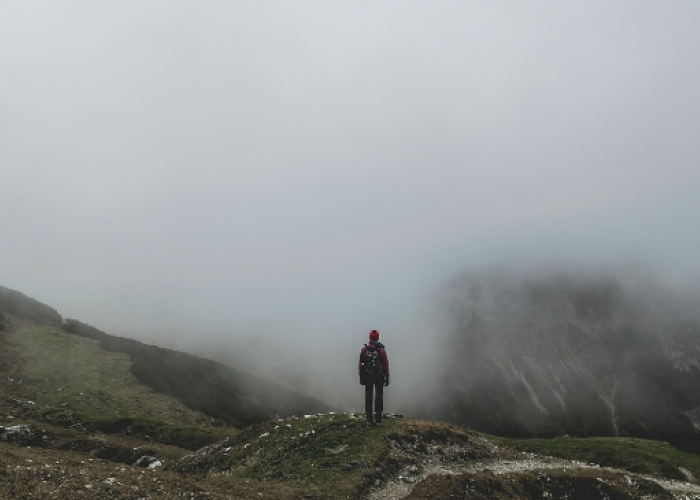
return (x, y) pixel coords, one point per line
(145, 461)
(16, 434)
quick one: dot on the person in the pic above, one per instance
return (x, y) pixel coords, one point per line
(373, 368)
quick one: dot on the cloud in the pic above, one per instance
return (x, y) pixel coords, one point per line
(220, 170)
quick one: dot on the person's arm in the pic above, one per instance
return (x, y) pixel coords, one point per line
(385, 364)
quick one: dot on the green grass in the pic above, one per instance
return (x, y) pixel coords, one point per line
(333, 453)
(54, 369)
(641, 456)
(85, 404)
(147, 430)
(335, 456)
(218, 390)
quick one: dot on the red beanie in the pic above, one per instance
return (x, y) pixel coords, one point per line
(374, 335)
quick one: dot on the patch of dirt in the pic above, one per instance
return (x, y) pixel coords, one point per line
(537, 484)
(681, 490)
(479, 469)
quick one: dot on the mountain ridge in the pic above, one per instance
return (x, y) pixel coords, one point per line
(553, 355)
(77, 422)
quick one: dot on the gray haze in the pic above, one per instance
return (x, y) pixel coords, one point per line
(287, 176)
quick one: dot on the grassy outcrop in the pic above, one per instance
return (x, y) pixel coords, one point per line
(334, 456)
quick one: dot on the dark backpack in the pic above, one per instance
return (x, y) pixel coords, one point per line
(371, 361)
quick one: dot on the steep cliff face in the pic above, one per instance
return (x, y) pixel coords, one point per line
(553, 355)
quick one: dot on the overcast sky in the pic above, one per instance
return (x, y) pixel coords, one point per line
(302, 172)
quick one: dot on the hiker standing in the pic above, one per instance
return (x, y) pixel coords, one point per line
(373, 369)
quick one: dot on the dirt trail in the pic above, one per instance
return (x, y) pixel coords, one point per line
(442, 460)
(683, 491)
(402, 485)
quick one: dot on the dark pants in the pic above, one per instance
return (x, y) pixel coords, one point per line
(376, 386)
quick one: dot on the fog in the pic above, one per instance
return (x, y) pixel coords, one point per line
(264, 183)
(566, 349)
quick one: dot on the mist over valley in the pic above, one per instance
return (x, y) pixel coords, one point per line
(206, 207)
(529, 355)
(543, 352)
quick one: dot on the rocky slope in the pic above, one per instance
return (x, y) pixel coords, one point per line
(584, 356)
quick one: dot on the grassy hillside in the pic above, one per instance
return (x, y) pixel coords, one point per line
(324, 456)
(53, 362)
(87, 415)
(43, 364)
(88, 421)
(213, 388)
